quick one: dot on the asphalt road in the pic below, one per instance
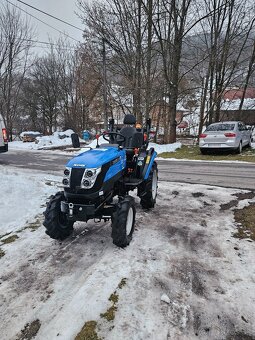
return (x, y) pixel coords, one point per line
(232, 175)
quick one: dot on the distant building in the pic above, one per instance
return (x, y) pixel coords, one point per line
(158, 113)
(231, 102)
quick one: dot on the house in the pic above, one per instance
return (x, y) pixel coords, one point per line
(231, 102)
(158, 115)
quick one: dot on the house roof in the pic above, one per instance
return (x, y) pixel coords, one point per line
(233, 105)
(234, 94)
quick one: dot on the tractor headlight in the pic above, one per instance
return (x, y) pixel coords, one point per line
(66, 179)
(89, 177)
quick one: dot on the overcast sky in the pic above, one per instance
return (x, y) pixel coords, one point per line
(63, 9)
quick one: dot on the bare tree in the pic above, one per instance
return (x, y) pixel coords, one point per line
(120, 25)
(16, 40)
(250, 72)
(223, 50)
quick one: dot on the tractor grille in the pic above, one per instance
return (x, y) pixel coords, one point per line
(76, 177)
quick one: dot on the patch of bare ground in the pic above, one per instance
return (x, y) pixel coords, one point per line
(240, 197)
(29, 331)
(229, 205)
(246, 222)
(245, 196)
(240, 336)
(197, 194)
(2, 253)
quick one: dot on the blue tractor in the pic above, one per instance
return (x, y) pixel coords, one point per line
(97, 184)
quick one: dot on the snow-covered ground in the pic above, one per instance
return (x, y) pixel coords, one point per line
(186, 277)
(57, 139)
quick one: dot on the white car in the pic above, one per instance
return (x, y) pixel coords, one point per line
(3, 136)
(232, 135)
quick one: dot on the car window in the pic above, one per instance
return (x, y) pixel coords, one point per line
(241, 127)
(220, 127)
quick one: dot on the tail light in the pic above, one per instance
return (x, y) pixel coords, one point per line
(202, 135)
(230, 134)
(4, 131)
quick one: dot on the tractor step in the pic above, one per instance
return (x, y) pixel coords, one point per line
(132, 181)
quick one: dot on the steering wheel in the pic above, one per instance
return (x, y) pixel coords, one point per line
(122, 139)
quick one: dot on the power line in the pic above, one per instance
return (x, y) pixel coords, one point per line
(45, 23)
(50, 15)
(50, 44)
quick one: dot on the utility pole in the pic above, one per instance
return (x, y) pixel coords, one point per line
(105, 87)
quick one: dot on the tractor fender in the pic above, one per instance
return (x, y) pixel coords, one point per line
(152, 154)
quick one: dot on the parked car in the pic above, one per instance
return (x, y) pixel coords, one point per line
(3, 136)
(29, 136)
(230, 135)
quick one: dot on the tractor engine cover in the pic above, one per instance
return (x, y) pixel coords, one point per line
(108, 162)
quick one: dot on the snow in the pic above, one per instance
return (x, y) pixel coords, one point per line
(30, 133)
(165, 298)
(22, 192)
(186, 276)
(248, 104)
(57, 139)
(160, 148)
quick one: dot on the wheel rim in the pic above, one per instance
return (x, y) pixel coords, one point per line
(154, 184)
(62, 218)
(240, 147)
(63, 221)
(130, 218)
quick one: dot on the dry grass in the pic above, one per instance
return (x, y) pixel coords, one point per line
(10, 239)
(246, 222)
(193, 152)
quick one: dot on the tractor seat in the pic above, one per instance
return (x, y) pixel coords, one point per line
(134, 138)
(128, 132)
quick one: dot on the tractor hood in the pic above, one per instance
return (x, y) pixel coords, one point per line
(95, 158)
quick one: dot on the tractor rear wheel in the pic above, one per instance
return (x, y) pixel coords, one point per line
(123, 222)
(56, 222)
(149, 189)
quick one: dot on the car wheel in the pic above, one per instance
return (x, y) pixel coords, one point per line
(204, 152)
(240, 148)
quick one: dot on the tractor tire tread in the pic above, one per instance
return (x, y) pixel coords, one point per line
(147, 202)
(119, 218)
(54, 228)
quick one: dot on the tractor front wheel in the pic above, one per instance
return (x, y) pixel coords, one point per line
(123, 222)
(56, 222)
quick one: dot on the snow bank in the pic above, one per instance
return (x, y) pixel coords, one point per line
(57, 139)
(160, 148)
(36, 133)
(93, 144)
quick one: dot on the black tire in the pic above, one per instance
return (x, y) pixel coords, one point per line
(240, 148)
(148, 197)
(204, 152)
(75, 140)
(56, 222)
(121, 237)
(249, 144)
